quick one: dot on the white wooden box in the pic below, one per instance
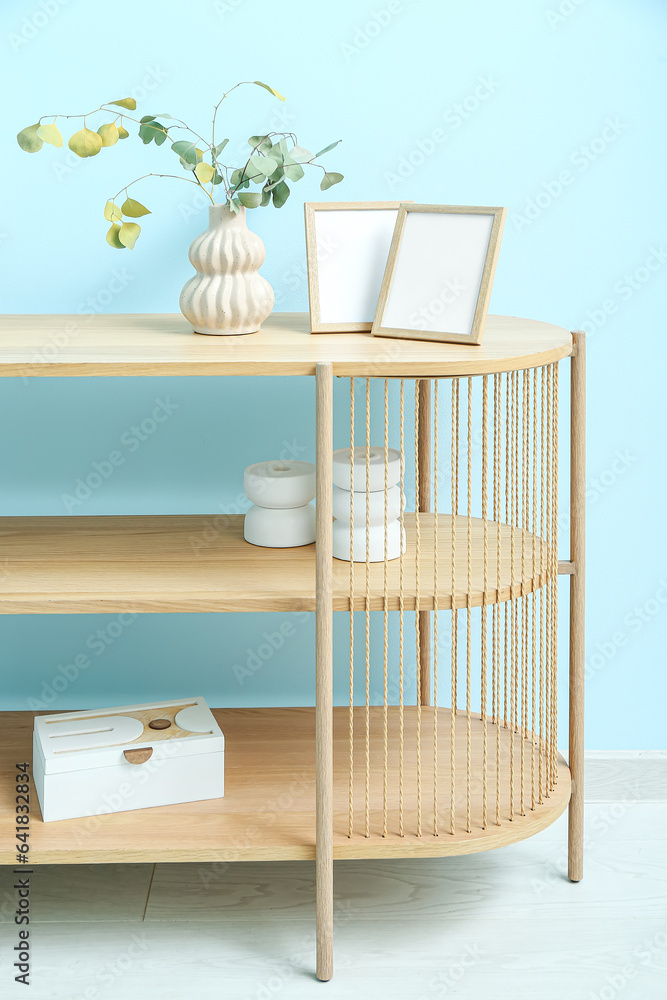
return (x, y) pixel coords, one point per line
(133, 757)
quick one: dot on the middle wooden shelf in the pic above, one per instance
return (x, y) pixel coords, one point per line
(201, 563)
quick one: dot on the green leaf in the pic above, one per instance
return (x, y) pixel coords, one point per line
(49, 133)
(204, 172)
(187, 151)
(134, 209)
(147, 118)
(332, 145)
(218, 178)
(123, 133)
(221, 145)
(262, 142)
(112, 212)
(266, 197)
(275, 179)
(251, 199)
(270, 89)
(152, 130)
(234, 205)
(294, 171)
(280, 194)
(112, 237)
(109, 134)
(299, 155)
(329, 180)
(279, 150)
(127, 102)
(263, 165)
(85, 143)
(129, 234)
(29, 140)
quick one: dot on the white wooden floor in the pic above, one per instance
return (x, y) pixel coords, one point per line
(506, 924)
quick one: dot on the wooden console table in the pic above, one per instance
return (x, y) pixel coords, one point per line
(360, 780)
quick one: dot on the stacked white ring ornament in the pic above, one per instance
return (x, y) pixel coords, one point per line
(367, 497)
(282, 515)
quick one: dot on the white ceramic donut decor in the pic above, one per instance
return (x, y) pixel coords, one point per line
(280, 484)
(275, 528)
(376, 478)
(341, 506)
(374, 485)
(341, 542)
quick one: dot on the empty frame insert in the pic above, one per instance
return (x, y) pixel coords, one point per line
(437, 283)
(347, 245)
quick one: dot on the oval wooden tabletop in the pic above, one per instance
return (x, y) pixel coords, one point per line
(164, 344)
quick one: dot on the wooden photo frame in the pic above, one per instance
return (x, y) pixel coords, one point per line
(347, 246)
(437, 283)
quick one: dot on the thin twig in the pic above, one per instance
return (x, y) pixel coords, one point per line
(176, 177)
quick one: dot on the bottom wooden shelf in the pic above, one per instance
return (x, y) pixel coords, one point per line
(268, 810)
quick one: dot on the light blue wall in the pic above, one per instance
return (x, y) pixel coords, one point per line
(519, 93)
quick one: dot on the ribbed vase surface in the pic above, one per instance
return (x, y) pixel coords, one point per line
(227, 295)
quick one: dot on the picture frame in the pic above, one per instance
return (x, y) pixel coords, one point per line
(439, 274)
(347, 246)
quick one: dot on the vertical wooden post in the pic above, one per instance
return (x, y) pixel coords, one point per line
(424, 417)
(324, 673)
(577, 585)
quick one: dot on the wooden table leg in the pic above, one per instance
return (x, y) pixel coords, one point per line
(577, 584)
(324, 673)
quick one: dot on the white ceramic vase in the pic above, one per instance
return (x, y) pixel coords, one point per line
(228, 295)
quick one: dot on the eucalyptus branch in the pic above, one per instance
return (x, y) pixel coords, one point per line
(87, 114)
(215, 110)
(175, 177)
(182, 125)
(275, 155)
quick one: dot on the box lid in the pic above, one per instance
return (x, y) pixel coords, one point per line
(73, 741)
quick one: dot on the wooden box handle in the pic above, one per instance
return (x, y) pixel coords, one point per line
(138, 756)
